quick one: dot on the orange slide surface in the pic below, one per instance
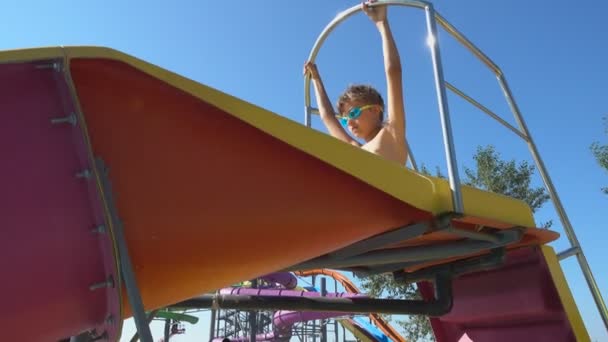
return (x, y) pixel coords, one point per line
(192, 179)
(196, 180)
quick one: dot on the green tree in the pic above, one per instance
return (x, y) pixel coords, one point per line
(505, 177)
(490, 173)
(601, 153)
(425, 170)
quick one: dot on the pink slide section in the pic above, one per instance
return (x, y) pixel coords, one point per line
(518, 302)
(59, 273)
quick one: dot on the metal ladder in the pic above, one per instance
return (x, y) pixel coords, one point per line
(432, 18)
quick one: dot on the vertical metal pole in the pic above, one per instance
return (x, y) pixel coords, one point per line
(219, 327)
(448, 139)
(167, 332)
(212, 325)
(225, 329)
(126, 268)
(410, 156)
(253, 326)
(582, 260)
(307, 116)
(335, 321)
(307, 100)
(314, 322)
(323, 322)
(135, 337)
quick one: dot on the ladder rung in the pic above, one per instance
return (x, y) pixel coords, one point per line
(568, 253)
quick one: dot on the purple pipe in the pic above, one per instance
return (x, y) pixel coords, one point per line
(279, 292)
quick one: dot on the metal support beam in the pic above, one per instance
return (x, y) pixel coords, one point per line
(367, 271)
(149, 319)
(473, 235)
(126, 268)
(167, 331)
(441, 305)
(335, 321)
(485, 110)
(446, 125)
(416, 253)
(212, 324)
(382, 240)
(455, 269)
(323, 321)
(253, 324)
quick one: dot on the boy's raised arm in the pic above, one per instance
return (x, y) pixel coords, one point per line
(325, 109)
(392, 68)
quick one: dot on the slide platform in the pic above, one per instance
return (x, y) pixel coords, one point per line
(193, 172)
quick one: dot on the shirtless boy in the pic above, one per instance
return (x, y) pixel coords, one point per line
(362, 108)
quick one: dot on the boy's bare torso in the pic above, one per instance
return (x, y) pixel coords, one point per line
(389, 145)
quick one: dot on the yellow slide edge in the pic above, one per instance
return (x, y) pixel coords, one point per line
(559, 279)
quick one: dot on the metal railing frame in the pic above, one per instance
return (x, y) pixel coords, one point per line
(432, 18)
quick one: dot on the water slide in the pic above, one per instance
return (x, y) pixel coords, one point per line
(283, 320)
(108, 157)
(364, 331)
(176, 316)
(384, 326)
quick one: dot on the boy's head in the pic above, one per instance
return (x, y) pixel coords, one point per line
(366, 105)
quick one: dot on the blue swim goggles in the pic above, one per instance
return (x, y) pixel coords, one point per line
(353, 113)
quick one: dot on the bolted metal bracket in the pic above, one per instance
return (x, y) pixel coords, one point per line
(71, 119)
(86, 174)
(54, 65)
(101, 229)
(108, 283)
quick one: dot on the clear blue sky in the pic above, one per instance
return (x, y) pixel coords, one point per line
(551, 51)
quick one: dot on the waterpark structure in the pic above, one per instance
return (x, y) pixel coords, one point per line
(109, 164)
(282, 325)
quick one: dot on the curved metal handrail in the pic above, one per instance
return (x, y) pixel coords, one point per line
(431, 15)
(342, 16)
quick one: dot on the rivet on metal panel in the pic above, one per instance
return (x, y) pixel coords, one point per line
(84, 174)
(107, 283)
(110, 320)
(71, 119)
(54, 65)
(99, 229)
